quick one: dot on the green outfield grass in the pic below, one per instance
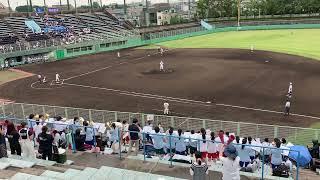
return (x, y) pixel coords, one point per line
(303, 42)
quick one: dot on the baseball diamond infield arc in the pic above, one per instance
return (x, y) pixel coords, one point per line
(241, 85)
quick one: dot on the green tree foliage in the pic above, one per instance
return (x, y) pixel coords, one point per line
(228, 8)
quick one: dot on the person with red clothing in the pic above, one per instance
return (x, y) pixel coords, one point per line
(222, 140)
(203, 144)
(213, 154)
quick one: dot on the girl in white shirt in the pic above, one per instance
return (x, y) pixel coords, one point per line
(203, 145)
(213, 154)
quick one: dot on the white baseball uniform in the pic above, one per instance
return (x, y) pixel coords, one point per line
(118, 54)
(161, 66)
(166, 108)
(57, 77)
(290, 88)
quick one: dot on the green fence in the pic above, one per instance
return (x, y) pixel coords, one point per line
(296, 135)
(63, 51)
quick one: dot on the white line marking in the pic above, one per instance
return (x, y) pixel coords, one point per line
(151, 96)
(32, 86)
(265, 110)
(90, 72)
(186, 101)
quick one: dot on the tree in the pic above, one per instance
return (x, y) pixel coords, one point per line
(95, 5)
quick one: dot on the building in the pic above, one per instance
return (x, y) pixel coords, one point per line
(164, 17)
(3, 9)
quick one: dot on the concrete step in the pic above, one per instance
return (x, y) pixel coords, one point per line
(39, 162)
(4, 165)
(86, 174)
(52, 174)
(17, 163)
(24, 176)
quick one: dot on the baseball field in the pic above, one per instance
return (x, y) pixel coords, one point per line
(214, 76)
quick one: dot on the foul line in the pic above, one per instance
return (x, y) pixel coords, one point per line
(265, 110)
(185, 101)
(97, 70)
(144, 95)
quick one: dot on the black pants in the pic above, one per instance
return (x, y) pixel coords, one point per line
(15, 148)
(47, 153)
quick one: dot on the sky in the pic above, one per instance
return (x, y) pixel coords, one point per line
(15, 3)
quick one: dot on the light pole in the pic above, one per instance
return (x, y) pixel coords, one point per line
(239, 12)
(75, 6)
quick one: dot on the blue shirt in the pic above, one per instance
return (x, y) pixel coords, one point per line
(158, 142)
(171, 139)
(89, 134)
(114, 135)
(180, 144)
(276, 157)
(244, 153)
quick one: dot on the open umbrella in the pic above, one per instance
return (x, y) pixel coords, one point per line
(303, 158)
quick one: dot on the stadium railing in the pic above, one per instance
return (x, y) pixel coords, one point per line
(262, 172)
(295, 135)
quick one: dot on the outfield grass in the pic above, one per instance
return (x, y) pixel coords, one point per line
(303, 42)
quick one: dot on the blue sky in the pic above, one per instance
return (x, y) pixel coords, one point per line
(15, 3)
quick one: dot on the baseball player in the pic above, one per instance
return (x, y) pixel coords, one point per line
(44, 79)
(161, 66)
(39, 78)
(118, 54)
(251, 48)
(57, 78)
(287, 108)
(290, 88)
(161, 51)
(166, 108)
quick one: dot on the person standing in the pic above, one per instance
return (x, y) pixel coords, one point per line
(166, 108)
(213, 154)
(244, 154)
(158, 142)
(287, 108)
(199, 169)
(134, 136)
(3, 147)
(230, 164)
(290, 88)
(57, 78)
(45, 144)
(118, 54)
(89, 133)
(26, 144)
(161, 65)
(37, 129)
(276, 155)
(13, 138)
(180, 143)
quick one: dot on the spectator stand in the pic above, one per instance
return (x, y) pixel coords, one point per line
(170, 159)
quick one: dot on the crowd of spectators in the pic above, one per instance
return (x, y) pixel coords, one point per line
(204, 148)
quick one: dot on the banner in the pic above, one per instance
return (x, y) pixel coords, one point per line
(53, 10)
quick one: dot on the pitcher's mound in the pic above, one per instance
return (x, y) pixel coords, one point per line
(157, 71)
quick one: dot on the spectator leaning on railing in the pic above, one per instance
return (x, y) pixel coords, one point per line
(134, 136)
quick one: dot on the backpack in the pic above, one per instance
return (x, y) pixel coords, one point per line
(281, 171)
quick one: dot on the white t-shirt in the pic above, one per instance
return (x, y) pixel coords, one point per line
(147, 129)
(203, 146)
(220, 145)
(230, 169)
(212, 147)
(37, 130)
